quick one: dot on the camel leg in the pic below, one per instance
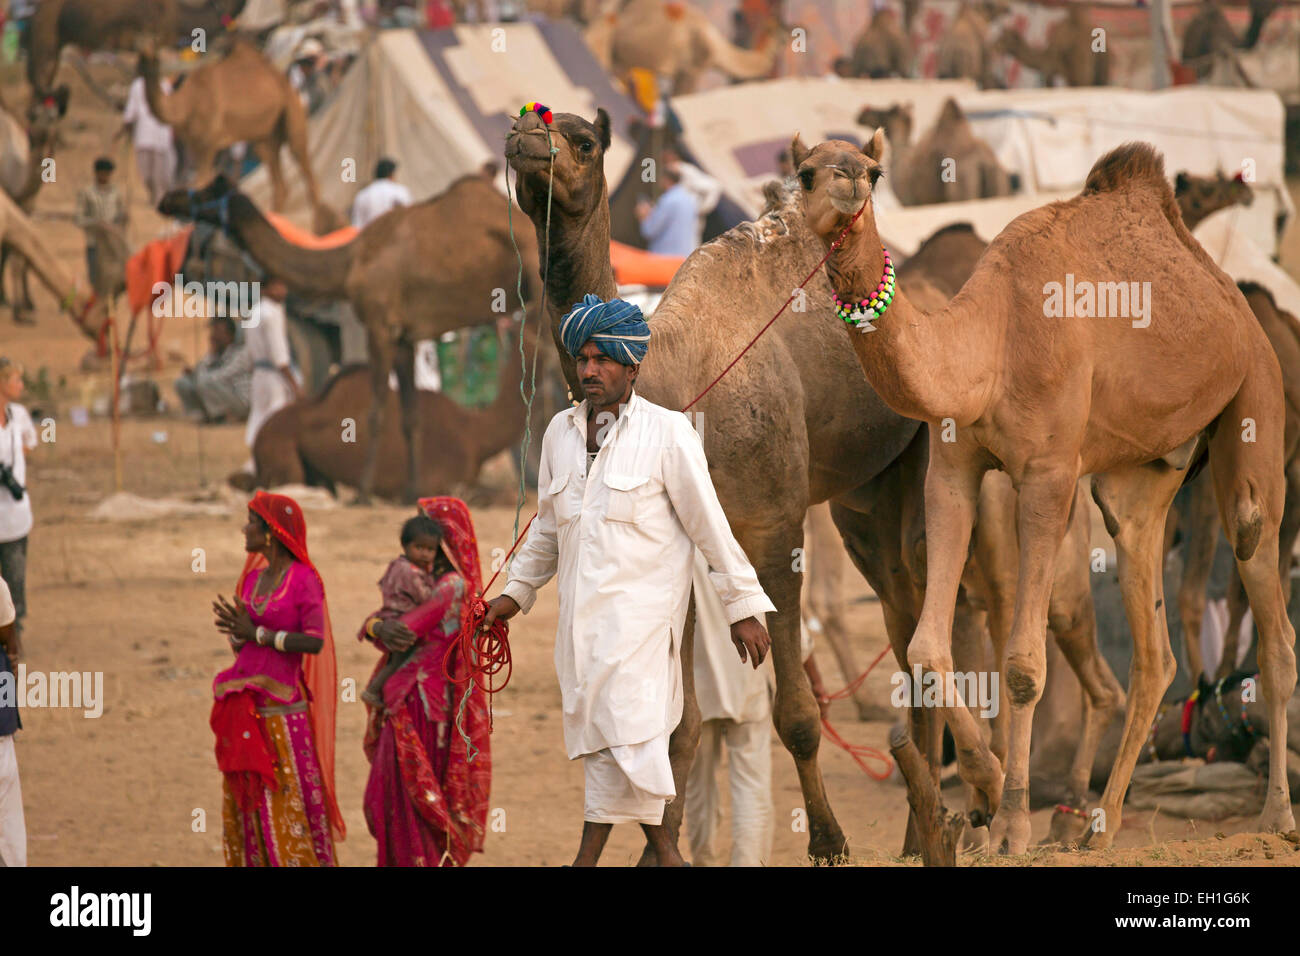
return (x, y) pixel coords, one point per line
(381, 362)
(295, 136)
(1134, 502)
(795, 711)
(995, 567)
(268, 150)
(1201, 532)
(1044, 499)
(952, 485)
(404, 361)
(1290, 528)
(1250, 488)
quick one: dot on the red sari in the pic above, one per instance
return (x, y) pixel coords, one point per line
(426, 800)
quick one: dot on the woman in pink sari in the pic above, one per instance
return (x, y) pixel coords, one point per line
(273, 713)
(427, 798)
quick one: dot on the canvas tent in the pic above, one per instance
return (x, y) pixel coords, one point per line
(1050, 138)
(440, 102)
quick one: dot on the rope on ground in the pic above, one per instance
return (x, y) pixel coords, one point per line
(858, 752)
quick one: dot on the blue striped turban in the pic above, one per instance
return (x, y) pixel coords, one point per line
(618, 328)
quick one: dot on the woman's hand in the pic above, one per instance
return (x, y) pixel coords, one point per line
(233, 619)
(394, 635)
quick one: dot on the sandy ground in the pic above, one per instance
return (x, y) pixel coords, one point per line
(138, 786)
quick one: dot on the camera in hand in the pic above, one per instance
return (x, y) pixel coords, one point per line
(9, 481)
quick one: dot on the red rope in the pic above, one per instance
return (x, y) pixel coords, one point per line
(488, 653)
(858, 752)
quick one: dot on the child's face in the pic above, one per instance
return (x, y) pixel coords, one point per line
(421, 550)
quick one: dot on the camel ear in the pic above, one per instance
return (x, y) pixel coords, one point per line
(798, 151)
(61, 96)
(1180, 184)
(602, 124)
(876, 148)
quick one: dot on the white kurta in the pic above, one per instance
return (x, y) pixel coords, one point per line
(622, 541)
(267, 340)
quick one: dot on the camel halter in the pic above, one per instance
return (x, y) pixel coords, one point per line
(222, 207)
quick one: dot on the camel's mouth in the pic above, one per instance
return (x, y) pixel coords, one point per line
(528, 152)
(847, 206)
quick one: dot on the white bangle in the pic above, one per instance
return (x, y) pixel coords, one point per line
(279, 639)
(262, 636)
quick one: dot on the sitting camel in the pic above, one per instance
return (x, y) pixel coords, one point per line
(1047, 400)
(883, 50)
(1069, 53)
(964, 49)
(241, 97)
(948, 164)
(677, 42)
(414, 273)
(323, 440)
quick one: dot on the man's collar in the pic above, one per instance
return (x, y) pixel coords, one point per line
(578, 413)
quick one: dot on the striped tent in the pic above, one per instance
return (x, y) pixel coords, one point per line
(440, 103)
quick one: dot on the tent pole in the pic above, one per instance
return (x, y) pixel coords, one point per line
(1161, 37)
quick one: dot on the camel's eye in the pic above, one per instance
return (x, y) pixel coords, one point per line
(806, 179)
(586, 146)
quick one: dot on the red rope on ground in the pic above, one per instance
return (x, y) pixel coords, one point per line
(858, 752)
(489, 653)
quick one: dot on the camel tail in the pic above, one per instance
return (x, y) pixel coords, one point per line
(1141, 166)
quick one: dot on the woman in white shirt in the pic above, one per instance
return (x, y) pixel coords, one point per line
(17, 437)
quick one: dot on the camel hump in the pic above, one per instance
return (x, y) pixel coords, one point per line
(951, 113)
(1130, 164)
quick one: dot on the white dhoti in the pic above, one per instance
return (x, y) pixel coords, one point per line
(13, 828)
(268, 394)
(629, 784)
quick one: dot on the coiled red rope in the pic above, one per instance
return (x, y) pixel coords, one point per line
(859, 752)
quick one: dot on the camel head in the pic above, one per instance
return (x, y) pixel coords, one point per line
(897, 121)
(577, 148)
(835, 179)
(209, 204)
(1198, 196)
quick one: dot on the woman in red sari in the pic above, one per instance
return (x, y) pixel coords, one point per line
(273, 713)
(427, 797)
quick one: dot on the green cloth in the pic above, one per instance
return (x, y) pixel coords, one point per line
(469, 374)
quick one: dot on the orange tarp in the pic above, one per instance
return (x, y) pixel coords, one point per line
(633, 266)
(157, 261)
(309, 240)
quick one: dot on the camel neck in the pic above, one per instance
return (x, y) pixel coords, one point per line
(160, 103)
(317, 271)
(925, 366)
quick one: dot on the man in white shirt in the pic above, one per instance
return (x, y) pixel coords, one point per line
(706, 190)
(13, 829)
(266, 338)
(624, 499)
(155, 152)
(17, 438)
(380, 196)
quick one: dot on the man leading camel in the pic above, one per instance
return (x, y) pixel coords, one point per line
(624, 498)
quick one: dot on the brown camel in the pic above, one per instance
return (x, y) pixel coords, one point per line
(821, 432)
(1069, 52)
(964, 50)
(883, 50)
(21, 177)
(948, 164)
(321, 440)
(676, 41)
(240, 98)
(91, 25)
(1047, 400)
(1209, 34)
(414, 273)
(1199, 196)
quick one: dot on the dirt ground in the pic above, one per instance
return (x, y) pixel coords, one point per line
(139, 786)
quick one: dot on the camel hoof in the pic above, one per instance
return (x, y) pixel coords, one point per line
(979, 818)
(1277, 817)
(829, 850)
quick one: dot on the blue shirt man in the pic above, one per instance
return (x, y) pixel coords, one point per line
(670, 227)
